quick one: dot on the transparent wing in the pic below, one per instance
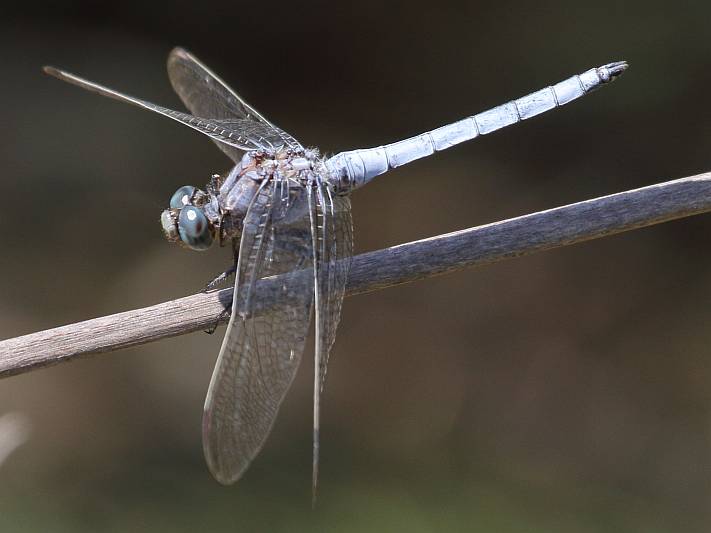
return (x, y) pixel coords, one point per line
(231, 135)
(206, 95)
(265, 337)
(332, 238)
(335, 244)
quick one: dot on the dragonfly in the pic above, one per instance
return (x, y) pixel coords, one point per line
(285, 211)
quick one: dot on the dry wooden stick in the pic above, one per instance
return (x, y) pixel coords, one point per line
(372, 271)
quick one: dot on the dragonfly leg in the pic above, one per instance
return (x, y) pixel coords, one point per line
(220, 278)
(227, 273)
(224, 315)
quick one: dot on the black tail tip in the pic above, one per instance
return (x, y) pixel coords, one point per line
(612, 71)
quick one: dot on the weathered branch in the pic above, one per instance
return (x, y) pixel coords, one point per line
(377, 270)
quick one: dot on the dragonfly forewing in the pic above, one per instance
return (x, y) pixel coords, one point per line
(263, 345)
(232, 135)
(335, 245)
(207, 95)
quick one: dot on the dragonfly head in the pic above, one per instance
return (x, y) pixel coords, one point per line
(186, 221)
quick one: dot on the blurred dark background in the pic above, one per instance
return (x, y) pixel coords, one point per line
(569, 391)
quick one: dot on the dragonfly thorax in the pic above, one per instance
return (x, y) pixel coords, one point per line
(285, 163)
(195, 217)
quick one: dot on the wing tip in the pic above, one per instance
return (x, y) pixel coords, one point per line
(224, 472)
(224, 476)
(314, 468)
(178, 52)
(52, 71)
(65, 76)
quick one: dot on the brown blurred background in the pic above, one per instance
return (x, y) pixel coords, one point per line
(569, 391)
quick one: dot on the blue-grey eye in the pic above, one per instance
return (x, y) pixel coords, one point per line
(194, 228)
(182, 197)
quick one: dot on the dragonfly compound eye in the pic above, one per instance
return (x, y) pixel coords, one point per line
(182, 197)
(194, 228)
